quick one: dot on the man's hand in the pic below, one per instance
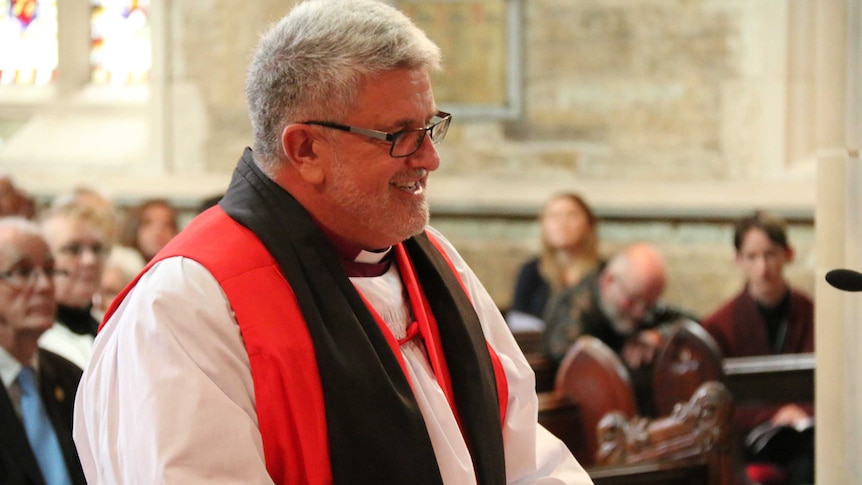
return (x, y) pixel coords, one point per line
(789, 415)
(640, 349)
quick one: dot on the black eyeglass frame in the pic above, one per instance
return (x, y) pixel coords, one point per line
(20, 277)
(442, 119)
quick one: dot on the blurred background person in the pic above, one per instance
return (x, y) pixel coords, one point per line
(619, 303)
(149, 226)
(79, 237)
(121, 267)
(90, 197)
(38, 391)
(13, 200)
(768, 317)
(570, 250)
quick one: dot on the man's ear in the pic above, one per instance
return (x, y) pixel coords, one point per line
(301, 147)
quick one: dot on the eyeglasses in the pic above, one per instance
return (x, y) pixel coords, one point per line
(631, 300)
(77, 250)
(26, 276)
(404, 142)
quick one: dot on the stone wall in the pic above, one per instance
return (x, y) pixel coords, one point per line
(670, 116)
(650, 108)
(639, 90)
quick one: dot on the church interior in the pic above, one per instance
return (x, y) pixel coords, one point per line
(672, 118)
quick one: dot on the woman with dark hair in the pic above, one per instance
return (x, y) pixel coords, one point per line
(570, 251)
(150, 226)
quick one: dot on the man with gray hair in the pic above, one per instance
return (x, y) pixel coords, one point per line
(311, 327)
(619, 303)
(37, 387)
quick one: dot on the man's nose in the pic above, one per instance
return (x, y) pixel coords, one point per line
(426, 157)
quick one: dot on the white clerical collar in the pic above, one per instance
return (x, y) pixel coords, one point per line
(372, 257)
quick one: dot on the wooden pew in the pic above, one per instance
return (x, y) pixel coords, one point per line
(545, 369)
(692, 445)
(764, 383)
(687, 358)
(559, 415)
(770, 378)
(690, 357)
(593, 378)
(675, 472)
(530, 341)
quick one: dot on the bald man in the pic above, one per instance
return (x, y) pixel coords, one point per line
(618, 303)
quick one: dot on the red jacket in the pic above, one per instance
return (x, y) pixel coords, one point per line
(740, 331)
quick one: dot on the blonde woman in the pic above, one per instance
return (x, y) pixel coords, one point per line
(569, 252)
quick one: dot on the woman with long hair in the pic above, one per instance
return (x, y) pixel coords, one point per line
(570, 250)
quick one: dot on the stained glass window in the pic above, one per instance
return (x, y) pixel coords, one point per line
(28, 41)
(120, 51)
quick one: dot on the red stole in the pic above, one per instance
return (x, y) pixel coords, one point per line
(288, 391)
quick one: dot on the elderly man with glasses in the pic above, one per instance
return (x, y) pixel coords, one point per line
(38, 391)
(312, 328)
(619, 303)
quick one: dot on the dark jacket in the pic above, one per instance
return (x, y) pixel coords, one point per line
(577, 311)
(58, 383)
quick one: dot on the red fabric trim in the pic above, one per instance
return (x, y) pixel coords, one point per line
(427, 325)
(411, 333)
(499, 372)
(287, 388)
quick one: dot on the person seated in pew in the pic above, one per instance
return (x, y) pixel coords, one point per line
(79, 234)
(149, 226)
(13, 200)
(570, 251)
(121, 267)
(768, 317)
(620, 304)
(37, 387)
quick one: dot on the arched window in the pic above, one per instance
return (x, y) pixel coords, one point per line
(120, 51)
(119, 42)
(28, 36)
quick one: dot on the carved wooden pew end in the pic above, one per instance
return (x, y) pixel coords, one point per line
(699, 428)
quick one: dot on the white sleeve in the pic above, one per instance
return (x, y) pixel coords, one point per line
(533, 455)
(168, 394)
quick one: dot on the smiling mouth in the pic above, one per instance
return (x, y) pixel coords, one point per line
(416, 187)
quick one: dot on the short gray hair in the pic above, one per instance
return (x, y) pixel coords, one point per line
(14, 225)
(310, 64)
